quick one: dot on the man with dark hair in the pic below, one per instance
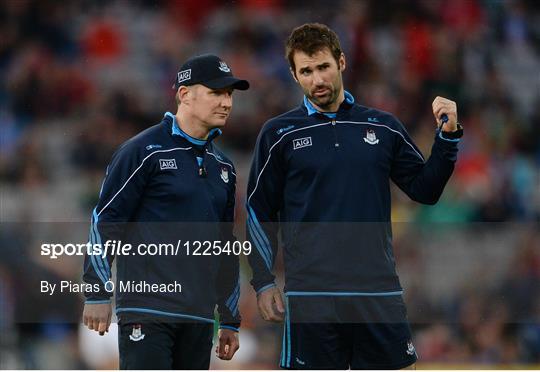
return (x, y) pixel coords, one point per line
(321, 173)
(171, 186)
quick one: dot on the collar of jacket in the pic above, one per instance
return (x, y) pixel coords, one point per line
(311, 110)
(177, 131)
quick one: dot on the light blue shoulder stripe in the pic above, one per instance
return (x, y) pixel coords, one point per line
(96, 264)
(91, 257)
(257, 235)
(234, 310)
(260, 237)
(260, 247)
(258, 225)
(233, 295)
(103, 260)
(232, 301)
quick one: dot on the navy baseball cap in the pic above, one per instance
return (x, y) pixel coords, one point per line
(210, 71)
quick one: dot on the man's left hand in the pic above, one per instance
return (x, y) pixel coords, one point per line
(442, 106)
(228, 344)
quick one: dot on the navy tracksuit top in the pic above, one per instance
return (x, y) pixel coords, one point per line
(160, 187)
(325, 180)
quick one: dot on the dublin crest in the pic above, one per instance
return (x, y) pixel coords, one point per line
(136, 334)
(223, 67)
(410, 348)
(225, 175)
(370, 137)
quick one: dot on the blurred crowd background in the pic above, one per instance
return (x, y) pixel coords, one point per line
(78, 78)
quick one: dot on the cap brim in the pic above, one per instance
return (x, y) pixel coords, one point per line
(226, 82)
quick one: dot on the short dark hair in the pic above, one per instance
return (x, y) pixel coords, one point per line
(310, 38)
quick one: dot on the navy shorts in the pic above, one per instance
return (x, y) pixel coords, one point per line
(161, 345)
(342, 332)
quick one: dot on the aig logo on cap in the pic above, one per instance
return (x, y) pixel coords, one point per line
(301, 142)
(184, 75)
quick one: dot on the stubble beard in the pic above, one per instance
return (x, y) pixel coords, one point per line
(326, 102)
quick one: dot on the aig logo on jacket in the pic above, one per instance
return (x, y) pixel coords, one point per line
(301, 142)
(167, 164)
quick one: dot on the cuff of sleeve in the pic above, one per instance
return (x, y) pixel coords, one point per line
(451, 136)
(230, 327)
(95, 301)
(97, 297)
(441, 136)
(264, 288)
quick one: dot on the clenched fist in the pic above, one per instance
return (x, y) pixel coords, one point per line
(443, 106)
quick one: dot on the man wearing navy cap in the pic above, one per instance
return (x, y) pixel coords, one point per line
(167, 184)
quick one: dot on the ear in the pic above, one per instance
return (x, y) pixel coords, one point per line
(293, 74)
(342, 63)
(183, 93)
